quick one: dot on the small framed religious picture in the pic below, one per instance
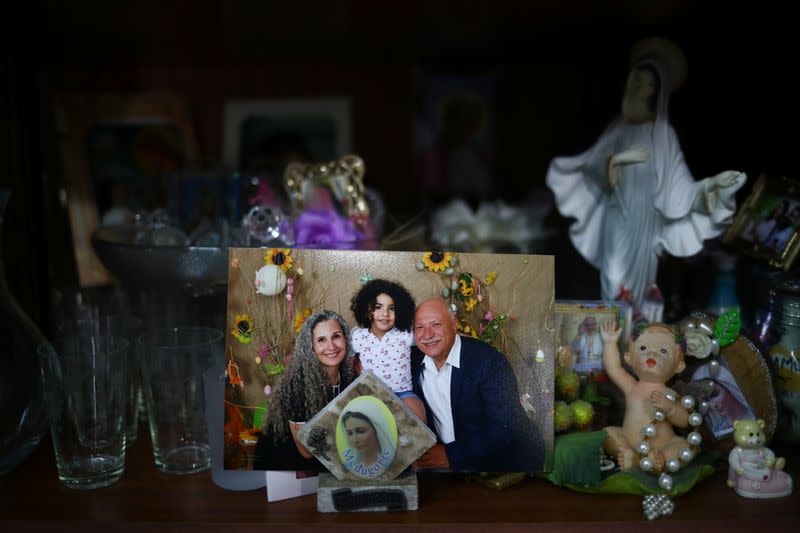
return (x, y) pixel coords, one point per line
(578, 343)
(767, 224)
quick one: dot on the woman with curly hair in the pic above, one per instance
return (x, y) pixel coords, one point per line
(321, 366)
(385, 312)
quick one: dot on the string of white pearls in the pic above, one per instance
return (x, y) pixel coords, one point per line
(685, 456)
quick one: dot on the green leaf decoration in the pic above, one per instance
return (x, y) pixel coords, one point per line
(728, 327)
(590, 392)
(259, 414)
(576, 466)
(641, 483)
(576, 458)
(274, 370)
(591, 395)
(242, 336)
(491, 330)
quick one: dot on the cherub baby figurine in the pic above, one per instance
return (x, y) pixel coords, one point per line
(656, 355)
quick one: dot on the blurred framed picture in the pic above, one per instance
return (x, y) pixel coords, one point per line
(578, 342)
(263, 136)
(454, 135)
(766, 226)
(117, 151)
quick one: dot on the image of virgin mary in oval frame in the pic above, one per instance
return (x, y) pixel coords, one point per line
(366, 437)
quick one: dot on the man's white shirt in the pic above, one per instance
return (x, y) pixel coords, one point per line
(436, 388)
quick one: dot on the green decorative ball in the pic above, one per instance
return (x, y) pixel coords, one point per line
(568, 385)
(563, 416)
(583, 413)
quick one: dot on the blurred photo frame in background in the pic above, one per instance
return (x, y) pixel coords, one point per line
(767, 224)
(262, 137)
(117, 151)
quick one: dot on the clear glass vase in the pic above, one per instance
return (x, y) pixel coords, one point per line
(23, 418)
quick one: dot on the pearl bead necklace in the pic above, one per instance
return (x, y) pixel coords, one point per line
(686, 455)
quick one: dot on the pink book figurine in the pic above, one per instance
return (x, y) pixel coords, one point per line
(753, 470)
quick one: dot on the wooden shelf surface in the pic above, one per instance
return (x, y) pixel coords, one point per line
(32, 498)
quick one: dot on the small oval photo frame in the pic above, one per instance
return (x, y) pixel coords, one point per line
(366, 437)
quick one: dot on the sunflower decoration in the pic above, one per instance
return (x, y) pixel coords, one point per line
(249, 437)
(300, 318)
(437, 261)
(466, 287)
(490, 277)
(244, 328)
(280, 257)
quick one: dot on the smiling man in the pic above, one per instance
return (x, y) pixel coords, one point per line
(471, 398)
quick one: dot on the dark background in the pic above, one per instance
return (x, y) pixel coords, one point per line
(559, 66)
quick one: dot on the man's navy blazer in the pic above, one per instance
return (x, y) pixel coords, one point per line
(492, 432)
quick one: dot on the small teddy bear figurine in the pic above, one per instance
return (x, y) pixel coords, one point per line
(753, 470)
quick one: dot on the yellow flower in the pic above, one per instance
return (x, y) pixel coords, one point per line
(466, 329)
(466, 288)
(469, 305)
(243, 330)
(436, 261)
(490, 277)
(280, 257)
(300, 318)
(249, 437)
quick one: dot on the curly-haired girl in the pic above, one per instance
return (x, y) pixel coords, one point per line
(385, 312)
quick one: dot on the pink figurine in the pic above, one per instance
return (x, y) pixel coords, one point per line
(754, 471)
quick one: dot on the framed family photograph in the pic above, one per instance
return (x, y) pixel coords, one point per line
(305, 325)
(767, 224)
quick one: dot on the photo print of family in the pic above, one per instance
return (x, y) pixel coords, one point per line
(435, 359)
(768, 222)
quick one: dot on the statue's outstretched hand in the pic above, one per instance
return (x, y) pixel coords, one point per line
(728, 178)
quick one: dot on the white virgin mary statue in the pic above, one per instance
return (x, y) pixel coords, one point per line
(632, 194)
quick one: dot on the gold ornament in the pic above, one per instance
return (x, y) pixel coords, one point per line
(344, 177)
